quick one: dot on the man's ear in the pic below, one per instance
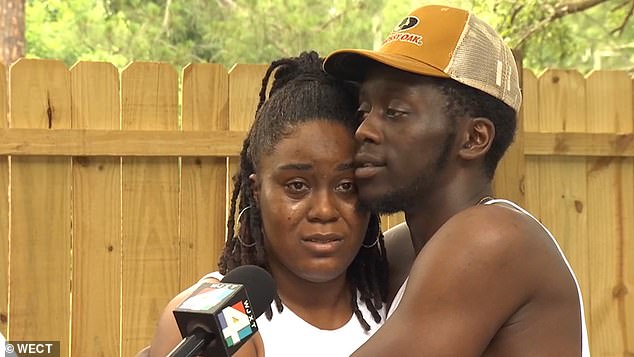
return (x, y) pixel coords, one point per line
(478, 138)
(255, 187)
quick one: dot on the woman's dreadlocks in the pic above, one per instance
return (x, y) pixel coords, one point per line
(301, 92)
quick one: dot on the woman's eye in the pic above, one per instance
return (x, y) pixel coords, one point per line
(296, 186)
(346, 187)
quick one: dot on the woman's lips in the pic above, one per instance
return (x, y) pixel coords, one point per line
(322, 243)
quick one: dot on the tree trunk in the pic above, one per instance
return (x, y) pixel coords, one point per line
(11, 30)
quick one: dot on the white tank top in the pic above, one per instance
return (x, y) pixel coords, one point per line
(287, 334)
(585, 348)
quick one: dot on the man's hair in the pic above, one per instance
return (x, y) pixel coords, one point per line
(465, 101)
(301, 92)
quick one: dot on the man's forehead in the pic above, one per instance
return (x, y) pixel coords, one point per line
(385, 78)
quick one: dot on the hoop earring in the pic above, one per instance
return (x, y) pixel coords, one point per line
(373, 243)
(242, 243)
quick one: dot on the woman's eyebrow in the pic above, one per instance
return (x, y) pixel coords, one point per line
(345, 166)
(305, 167)
(295, 166)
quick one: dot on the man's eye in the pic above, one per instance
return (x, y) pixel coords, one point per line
(394, 113)
(361, 114)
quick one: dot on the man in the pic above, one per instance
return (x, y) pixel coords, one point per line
(438, 108)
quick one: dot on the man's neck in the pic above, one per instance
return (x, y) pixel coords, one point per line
(439, 206)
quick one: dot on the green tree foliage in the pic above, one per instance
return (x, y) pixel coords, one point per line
(547, 32)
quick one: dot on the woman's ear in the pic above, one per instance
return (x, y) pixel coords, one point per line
(255, 187)
(478, 138)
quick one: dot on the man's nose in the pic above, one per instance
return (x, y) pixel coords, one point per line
(368, 130)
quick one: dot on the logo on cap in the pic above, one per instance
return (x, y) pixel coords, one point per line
(406, 24)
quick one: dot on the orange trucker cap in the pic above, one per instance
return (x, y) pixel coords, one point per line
(440, 41)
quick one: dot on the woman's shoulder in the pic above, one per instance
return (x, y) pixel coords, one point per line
(167, 334)
(214, 276)
(400, 256)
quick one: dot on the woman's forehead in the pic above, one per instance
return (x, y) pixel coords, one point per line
(317, 140)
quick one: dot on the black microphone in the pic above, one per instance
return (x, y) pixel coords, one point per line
(218, 318)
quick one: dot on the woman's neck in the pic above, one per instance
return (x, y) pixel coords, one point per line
(325, 305)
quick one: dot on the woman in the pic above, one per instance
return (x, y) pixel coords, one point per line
(299, 218)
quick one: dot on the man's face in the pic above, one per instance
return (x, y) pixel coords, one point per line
(405, 139)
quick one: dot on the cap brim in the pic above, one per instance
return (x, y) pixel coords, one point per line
(353, 64)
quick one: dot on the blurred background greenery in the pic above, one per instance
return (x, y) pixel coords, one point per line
(579, 34)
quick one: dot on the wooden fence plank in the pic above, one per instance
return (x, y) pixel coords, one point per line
(4, 212)
(563, 202)
(96, 217)
(510, 174)
(40, 209)
(393, 220)
(530, 119)
(245, 81)
(610, 191)
(149, 205)
(94, 142)
(627, 313)
(222, 143)
(203, 180)
(579, 144)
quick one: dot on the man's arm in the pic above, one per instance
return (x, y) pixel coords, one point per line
(465, 283)
(167, 334)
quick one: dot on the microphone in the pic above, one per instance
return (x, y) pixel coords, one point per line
(218, 318)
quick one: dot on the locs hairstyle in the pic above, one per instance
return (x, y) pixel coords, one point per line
(301, 92)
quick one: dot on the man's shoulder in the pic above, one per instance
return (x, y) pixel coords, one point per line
(494, 225)
(490, 225)
(489, 239)
(493, 237)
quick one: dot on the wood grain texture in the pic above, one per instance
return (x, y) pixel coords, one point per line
(102, 142)
(245, 81)
(530, 119)
(4, 212)
(579, 144)
(563, 200)
(510, 174)
(150, 209)
(610, 186)
(203, 180)
(40, 209)
(96, 217)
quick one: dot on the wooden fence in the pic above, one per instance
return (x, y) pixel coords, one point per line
(114, 192)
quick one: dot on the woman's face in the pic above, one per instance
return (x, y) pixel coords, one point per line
(308, 200)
